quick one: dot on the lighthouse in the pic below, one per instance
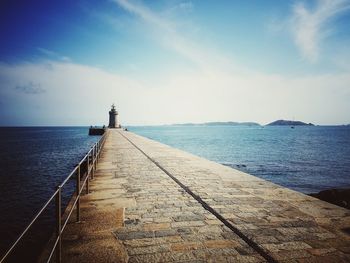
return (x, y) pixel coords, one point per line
(113, 118)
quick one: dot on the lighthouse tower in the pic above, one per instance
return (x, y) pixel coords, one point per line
(113, 118)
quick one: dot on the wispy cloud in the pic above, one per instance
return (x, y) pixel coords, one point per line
(310, 26)
(30, 88)
(146, 14)
(168, 34)
(52, 54)
(186, 5)
(46, 51)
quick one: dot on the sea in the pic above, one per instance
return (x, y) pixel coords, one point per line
(34, 160)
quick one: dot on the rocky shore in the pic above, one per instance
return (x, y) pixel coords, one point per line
(340, 197)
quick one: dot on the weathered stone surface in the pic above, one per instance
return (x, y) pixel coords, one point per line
(281, 220)
(221, 244)
(186, 246)
(137, 213)
(144, 242)
(134, 235)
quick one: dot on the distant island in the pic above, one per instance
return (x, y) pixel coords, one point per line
(289, 123)
(226, 123)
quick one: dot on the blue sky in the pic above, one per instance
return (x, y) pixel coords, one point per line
(65, 62)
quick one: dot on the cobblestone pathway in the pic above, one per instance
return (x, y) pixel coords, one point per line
(153, 203)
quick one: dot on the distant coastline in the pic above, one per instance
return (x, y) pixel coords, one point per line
(233, 123)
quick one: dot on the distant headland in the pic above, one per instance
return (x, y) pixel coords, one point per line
(289, 123)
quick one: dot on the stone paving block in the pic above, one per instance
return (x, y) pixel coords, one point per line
(286, 246)
(134, 235)
(159, 248)
(185, 246)
(164, 233)
(144, 242)
(221, 244)
(188, 217)
(187, 224)
(156, 226)
(155, 257)
(290, 255)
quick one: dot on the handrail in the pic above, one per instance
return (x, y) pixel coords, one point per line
(95, 156)
(69, 176)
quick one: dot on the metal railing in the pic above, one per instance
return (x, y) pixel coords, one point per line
(88, 164)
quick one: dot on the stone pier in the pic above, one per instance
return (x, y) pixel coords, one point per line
(153, 203)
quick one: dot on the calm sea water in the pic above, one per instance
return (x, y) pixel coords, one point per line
(306, 159)
(33, 161)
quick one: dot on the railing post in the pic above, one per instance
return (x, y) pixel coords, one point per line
(98, 150)
(78, 194)
(95, 156)
(87, 173)
(58, 225)
(93, 162)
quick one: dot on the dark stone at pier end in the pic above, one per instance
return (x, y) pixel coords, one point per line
(340, 197)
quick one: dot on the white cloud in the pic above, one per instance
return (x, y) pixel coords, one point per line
(52, 54)
(74, 94)
(81, 95)
(311, 26)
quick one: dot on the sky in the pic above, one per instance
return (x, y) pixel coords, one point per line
(174, 61)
